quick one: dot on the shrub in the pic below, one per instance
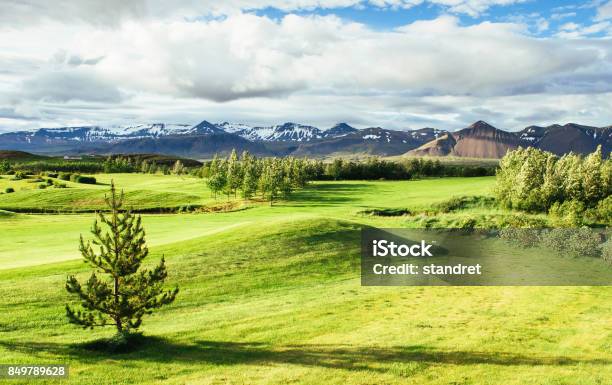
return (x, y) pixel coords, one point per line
(52, 174)
(567, 214)
(521, 221)
(467, 223)
(606, 250)
(521, 237)
(42, 186)
(9, 190)
(19, 175)
(64, 176)
(582, 242)
(464, 202)
(85, 179)
(533, 180)
(57, 184)
(604, 210)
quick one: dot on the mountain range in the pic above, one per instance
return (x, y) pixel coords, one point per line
(480, 140)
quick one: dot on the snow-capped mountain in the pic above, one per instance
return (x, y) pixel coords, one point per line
(105, 134)
(286, 132)
(340, 129)
(205, 139)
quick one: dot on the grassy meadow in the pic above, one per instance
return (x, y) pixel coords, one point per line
(272, 295)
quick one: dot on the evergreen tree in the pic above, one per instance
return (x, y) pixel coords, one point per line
(5, 167)
(178, 168)
(216, 178)
(270, 180)
(286, 182)
(552, 190)
(119, 292)
(250, 177)
(573, 177)
(234, 177)
(592, 183)
(144, 167)
(335, 169)
(153, 168)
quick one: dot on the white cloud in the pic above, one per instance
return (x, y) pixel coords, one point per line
(542, 25)
(604, 12)
(574, 31)
(114, 12)
(65, 86)
(564, 15)
(571, 26)
(311, 68)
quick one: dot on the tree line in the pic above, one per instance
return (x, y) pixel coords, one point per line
(375, 168)
(110, 165)
(372, 168)
(568, 187)
(269, 177)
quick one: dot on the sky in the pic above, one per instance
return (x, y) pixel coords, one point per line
(397, 64)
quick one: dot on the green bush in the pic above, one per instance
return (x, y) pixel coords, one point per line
(85, 179)
(64, 176)
(567, 214)
(521, 237)
(521, 221)
(604, 210)
(582, 242)
(464, 202)
(19, 175)
(606, 250)
(57, 184)
(533, 180)
(42, 186)
(9, 190)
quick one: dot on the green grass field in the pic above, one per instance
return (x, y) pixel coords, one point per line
(272, 295)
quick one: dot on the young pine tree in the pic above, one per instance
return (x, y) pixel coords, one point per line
(250, 177)
(178, 168)
(234, 174)
(592, 180)
(216, 176)
(119, 292)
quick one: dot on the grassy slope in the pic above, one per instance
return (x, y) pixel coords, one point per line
(142, 192)
(280, 302)
(33, 239)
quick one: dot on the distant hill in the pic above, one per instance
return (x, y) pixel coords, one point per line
(569, 137)
(373, 140)
(480, 140)
(195, 146)
(159, 159)
(205, 139)
(18, 155)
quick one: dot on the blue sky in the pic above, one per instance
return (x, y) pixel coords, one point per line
(555, 13)
(400, 64)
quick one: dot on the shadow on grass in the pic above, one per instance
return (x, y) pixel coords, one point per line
(328, 194)
(347, 357)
